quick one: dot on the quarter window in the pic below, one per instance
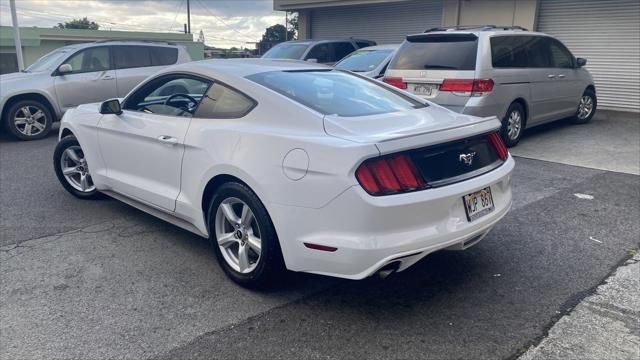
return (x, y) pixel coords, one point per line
(163, 56)
(90, 60)
(342, 49)
(127, 56)
(224, 102)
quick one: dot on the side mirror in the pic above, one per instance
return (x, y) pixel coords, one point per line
(312, 60)
(580, 62)
(111, 106)
(64, 69)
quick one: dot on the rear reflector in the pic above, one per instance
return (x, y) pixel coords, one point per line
(395, 81)
(476, 87)
(498, 145)
(389, 175)
(320, 247)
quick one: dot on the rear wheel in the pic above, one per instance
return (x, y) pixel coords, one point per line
(28, 120)
(72, 169)
(586, 108)
(513, 125)
(243, 237)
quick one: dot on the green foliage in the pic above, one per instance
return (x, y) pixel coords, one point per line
(83, 23)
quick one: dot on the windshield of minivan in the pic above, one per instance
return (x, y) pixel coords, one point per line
(48, 61)
(363, 60)
(437, 52)
(335, 92)
(286, 51)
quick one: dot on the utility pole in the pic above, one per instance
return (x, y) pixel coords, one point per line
(16, 35)
(189, 17)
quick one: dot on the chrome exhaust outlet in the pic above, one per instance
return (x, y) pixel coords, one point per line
(388, 269)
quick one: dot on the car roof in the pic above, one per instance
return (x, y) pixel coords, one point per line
(381, 47)
(314, 41)
(480, 32)
(243, 67)
(115, 42)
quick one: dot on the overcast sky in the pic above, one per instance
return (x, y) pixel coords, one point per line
(225, 23)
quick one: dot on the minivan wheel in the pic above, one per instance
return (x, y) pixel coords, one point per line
(28, 120)
(243, 237)
(586, 108)
(513, 125)
(72, 170)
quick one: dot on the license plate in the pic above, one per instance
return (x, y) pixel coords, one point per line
(478, 204)
(425, 89)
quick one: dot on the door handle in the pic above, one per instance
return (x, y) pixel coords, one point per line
(551, 76)
(166, 139)
(561, 76)
(108, 77)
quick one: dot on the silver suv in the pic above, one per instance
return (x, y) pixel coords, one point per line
(524, 78)
(78, 74)
(326, 52)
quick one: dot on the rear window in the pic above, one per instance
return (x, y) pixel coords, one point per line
(335, 92)
(286, 51)
(437, 52)
(363, 60)
(131, 56)
(163, 56)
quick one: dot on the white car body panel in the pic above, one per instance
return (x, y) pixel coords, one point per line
(300, 164)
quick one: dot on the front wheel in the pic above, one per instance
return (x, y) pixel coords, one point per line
(243, 237)
(28, 120)
(586, 108)
(513, 125)
(72, 169)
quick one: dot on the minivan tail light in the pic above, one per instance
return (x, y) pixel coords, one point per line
(395, 81)
(475, 87)
(389, 175)
(498, 145)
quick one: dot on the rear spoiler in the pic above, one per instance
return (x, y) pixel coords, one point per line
(441, 37)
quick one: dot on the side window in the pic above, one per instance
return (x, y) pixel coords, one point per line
(509, 52)
(538, 52)
(171, 95)
(126, 56)
(342, 49)
(163, 56)
(560, 56)
(322, 52)
(90, 60)
(224, 102)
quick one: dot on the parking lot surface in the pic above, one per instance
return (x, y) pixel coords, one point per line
(83, 279)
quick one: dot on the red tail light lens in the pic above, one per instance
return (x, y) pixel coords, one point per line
(475, 87)
(395, 81)
(498, 145)
(389, 175)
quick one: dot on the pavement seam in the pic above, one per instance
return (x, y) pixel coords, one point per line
(574, 165)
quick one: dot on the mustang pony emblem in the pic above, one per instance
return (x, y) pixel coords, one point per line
(467, 158)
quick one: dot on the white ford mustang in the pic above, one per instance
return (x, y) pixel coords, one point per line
(292, 165)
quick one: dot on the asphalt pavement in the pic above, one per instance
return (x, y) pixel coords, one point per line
(99, 279)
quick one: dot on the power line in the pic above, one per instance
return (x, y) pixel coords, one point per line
(221, 20)
(177, 12)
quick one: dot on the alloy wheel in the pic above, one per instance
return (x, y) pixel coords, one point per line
(238, 235)
(30, 120)
(75, 169)
(514, 125)
(585, 107)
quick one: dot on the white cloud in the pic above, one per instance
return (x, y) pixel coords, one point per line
(225, 23)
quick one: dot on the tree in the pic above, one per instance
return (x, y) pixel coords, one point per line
(276, 33)
(293, 25)
(83, 23)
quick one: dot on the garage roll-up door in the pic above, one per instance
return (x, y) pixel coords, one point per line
(607, 34)
(383, 23)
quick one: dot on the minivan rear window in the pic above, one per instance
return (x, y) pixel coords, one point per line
(437, 52)
(163, 56)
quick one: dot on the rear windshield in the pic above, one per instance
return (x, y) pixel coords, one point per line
(286, 51)
(335, 92)
(437, 52)
(363, 60)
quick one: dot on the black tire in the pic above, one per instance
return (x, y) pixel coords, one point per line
(579, 118)
(21, 130)
(509, 140)
(270, 265)
(64, 144)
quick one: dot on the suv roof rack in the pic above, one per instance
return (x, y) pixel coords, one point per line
(133, 40)
(474, 27)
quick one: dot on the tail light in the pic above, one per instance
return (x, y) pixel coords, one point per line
(395, 81)
(390, 175)
(474, 87)
(498, 145)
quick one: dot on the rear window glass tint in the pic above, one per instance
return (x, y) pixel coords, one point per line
(509, 51)
(286, 51)
(163, 56)
(343, 49)
(335, 92)
(131, 56)
(437, 52)
(323, 53)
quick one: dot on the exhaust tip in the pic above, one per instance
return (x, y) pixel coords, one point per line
(388, 269)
